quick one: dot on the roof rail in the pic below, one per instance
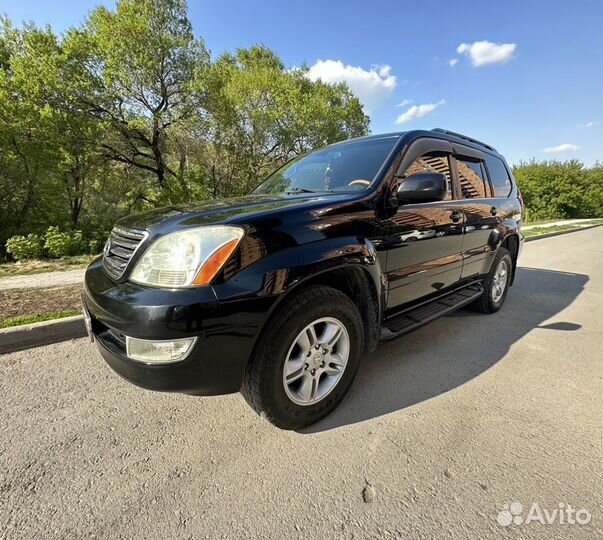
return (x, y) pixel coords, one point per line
(465, 137)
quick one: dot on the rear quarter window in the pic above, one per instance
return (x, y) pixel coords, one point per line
(499, 176)
(471, 177)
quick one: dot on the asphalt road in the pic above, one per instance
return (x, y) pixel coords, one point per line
(446, 425)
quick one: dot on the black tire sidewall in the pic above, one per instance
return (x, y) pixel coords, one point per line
(281, 410)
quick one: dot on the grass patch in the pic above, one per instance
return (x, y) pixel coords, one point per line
(37, 266)
(39, 317)
(541, 221)
(536, 231)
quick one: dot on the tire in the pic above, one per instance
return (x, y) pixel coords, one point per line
(284, 344)
(494, 297)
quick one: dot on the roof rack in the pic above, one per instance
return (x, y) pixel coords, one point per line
(464, 137)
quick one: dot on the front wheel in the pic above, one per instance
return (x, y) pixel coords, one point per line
(306, 360)
(496, 283)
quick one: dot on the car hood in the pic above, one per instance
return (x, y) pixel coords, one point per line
(229, 210)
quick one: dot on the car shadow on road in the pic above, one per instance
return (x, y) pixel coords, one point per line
(453, 350)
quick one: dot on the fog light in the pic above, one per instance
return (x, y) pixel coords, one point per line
(158, 352)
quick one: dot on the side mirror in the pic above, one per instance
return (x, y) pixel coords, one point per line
(422, 187)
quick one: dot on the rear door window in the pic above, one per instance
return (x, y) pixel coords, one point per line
(471, 177)
(499, 176)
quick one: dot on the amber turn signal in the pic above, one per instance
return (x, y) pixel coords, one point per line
(214, 262)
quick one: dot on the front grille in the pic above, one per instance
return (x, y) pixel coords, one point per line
(120, 247)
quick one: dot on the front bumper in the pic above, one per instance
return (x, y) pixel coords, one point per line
(226, 332)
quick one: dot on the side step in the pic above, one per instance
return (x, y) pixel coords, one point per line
(409, 320)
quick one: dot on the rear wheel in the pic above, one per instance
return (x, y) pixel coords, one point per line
(306, 360)
(496, 284)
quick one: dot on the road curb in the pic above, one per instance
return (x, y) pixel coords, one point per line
(43, 333)
(559, 233)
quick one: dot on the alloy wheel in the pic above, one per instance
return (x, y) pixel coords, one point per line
(316, 361)
(499, 281)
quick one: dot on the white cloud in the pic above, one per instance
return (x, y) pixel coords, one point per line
(417, 111)
(372, 87)
(453, 62)
(562, 148)
(486, 52)
(404, 103)
(590, 124)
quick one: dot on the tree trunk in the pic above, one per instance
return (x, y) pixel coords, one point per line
(156, 149)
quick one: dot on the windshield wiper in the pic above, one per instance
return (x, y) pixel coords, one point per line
(299, 190)
(296, 190)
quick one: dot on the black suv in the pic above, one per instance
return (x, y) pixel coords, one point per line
(279, 294)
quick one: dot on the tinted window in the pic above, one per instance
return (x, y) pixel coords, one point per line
(432, 162)
(346, 167)
(471, 178)
(499, 176)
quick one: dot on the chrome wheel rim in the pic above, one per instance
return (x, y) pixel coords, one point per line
(499, 281)
(316, 361)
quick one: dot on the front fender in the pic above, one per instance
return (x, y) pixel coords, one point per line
(281, 272)
(266, 284)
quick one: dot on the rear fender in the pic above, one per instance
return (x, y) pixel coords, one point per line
(510, 238)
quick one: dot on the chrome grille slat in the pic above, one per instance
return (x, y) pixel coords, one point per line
(122, 245)
(135, 234)
(128, 244)
(114, 264)
(122, 252)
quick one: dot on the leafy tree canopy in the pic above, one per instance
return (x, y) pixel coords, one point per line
(129, 111)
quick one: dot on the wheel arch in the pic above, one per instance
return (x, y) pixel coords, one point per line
(359, 282)
(511, 244)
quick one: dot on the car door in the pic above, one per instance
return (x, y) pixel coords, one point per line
(479, 209)
(423, 241)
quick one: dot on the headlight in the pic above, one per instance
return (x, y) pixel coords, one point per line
(187, 258)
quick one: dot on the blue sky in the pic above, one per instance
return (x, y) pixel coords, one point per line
(528, 75)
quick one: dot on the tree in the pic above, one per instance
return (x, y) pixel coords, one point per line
(128, 112)
(142, 61)
(260, 115)
(38, 75)
(555, 189)
(24, 159)
(593, 180)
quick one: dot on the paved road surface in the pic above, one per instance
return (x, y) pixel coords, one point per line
(44, 280)
(447, 425)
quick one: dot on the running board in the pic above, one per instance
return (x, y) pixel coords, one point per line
(413, 318)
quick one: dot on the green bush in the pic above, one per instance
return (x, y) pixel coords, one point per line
(24, 247)
(560, 189)
(59, 244)
(96, 246)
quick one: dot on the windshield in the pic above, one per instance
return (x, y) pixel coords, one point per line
(345, 167)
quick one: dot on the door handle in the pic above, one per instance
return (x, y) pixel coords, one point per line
(493, 210)
(456, 216)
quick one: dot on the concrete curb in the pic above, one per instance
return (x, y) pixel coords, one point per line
(559, 233)
(42, 333)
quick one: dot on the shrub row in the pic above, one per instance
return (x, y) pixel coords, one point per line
(53, 244)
